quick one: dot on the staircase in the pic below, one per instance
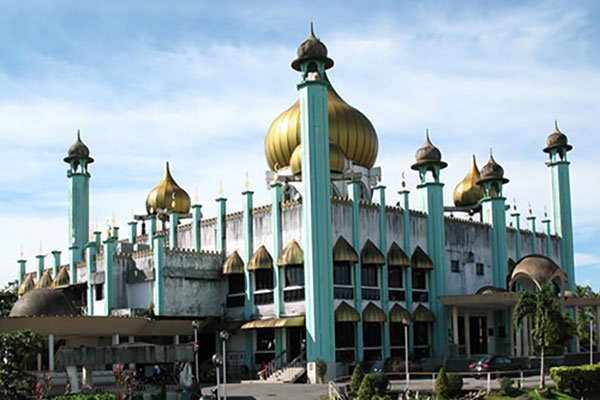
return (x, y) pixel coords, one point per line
(288, 373)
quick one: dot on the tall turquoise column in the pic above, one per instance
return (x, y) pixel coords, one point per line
(152, 233)
(56, 265)
(404, 203)
(159, 275)
(312, 61)
(132, 231)
(548, 239)
(249, 289)
(516, 220)
(173, 222)
(354, 195)
(221, 214)
(110, 244)
(40, 266)
(383, 246)
(531, 227)
(22, 264)
(196, 218)
(78, 159)
(114, 233)
(431, 201)
(73, 251)
(557, 149)
(494, 213)
(277, 278)
(92, 250)
(98, 238)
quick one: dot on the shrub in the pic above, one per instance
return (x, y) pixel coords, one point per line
(441, 385)
(366, 390)
(380, 383)
(357, 378)
(506, 385)
(455, 384)
(576, 380)
(321, 369)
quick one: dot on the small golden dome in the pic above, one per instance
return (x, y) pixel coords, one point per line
(336, 159)
(468, 192)
(167, 196)
(348, 127)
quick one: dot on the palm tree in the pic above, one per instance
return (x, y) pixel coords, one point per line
(543, 307)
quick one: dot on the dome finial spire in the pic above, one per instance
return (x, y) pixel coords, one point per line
(312, 30)
(556, 125)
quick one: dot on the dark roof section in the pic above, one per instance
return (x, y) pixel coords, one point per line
(428, 154)
(312, 49)
(557, 139)
(79, 150)
(43, 302)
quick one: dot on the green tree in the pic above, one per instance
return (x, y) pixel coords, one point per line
(441, 385)
(357, 378)
(16, 349)
(584, 313)
(543, 309)
(8, 297)
(366, 390)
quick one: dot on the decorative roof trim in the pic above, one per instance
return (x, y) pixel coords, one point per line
(234, 264)
(343, 251)
(292, 254)
(261, 259)
(396, 257)
(420, 259)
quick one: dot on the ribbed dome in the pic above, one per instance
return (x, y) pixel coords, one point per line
(492, 171)
(348, 127)
(428, 154)
(312, 49)
(167, 196)
(468, 192)
(79, 150)
(336, 159)
(557, 139)
(43, 302)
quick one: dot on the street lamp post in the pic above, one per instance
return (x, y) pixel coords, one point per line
(195, 325)
(591, 339)
(224, 335)
(217, 361)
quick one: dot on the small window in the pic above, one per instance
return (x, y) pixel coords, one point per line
(263, 279)
(479, 268)
(342, 273)
(454, 266)
(294, 275)
(236, 283)
(99, 291)
(419, 279)
(395, 277)
(369, 275)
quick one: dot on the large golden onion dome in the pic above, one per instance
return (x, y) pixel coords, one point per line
(167, 196)
(348, 128)
(468, 192)
(336, 159)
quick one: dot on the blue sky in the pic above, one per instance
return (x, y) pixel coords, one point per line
(198, 84)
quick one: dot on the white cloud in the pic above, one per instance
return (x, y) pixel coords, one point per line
(584, 259)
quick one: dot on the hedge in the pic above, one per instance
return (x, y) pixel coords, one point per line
(576, 380)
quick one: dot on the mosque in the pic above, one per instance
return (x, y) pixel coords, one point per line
(331, 269)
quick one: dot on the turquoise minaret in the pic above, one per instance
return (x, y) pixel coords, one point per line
(110, 244)
(354, 195)
(22, 262)
(78, 159)
(40, 266)
(531, 227)
(173, 222)
(431, 201)
(494, 213)
(92, 250)
(56, 265)
(557, 148)
(312, 62)
(380, 200)
(221, 214)
(159, 275)
(516, 219)
(249, 289)
(277, 275)
(548, 239)
(196, 218)
(404, 203)
(132, 231)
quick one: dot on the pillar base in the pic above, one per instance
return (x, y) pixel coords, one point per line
(311, 372)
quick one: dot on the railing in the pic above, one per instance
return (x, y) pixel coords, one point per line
(271, 367)
(334, 393)
(343, 292)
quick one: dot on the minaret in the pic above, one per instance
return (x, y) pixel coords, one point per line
(557, 148)
(431, 201)
(494, 213)
(78, 159)
(312, 62)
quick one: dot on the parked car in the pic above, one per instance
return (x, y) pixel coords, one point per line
(494, 363)
(397, 364)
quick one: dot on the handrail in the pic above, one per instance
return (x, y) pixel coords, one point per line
(271, 366)
(334, 393)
